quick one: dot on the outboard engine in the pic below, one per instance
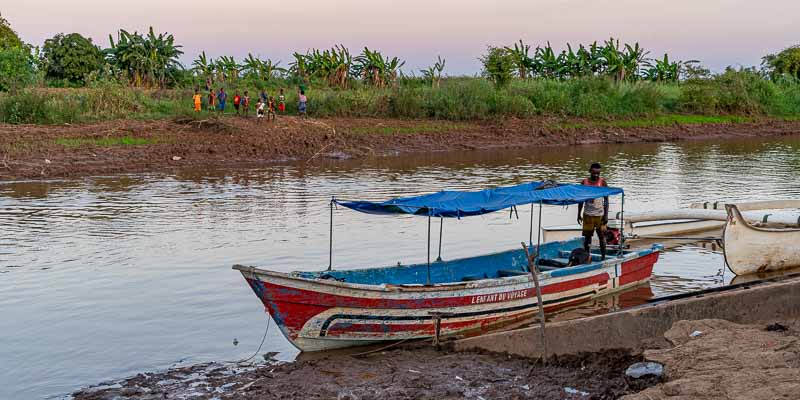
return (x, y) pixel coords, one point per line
(612, 236)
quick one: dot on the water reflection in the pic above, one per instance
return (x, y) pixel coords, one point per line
(107, 276)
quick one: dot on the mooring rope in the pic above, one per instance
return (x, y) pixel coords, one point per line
(259, 346)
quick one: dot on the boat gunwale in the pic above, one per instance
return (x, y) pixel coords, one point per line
(447, 286)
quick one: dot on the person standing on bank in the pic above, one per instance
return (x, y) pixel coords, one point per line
(222, 97)
(302, 103)
(593, 214)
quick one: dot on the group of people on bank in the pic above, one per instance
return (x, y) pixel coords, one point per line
(266, 106)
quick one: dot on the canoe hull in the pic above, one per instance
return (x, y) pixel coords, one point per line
(324, 315)
(750, 249)
(662, 228)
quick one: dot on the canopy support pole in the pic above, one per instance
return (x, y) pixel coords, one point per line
(530, 236)
(622, 227)
(538, 236)
(429, 250)
(441, 227)
(330, 248)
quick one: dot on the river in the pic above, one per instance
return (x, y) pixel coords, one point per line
(105, 277)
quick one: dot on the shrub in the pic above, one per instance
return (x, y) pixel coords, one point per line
(498, 65)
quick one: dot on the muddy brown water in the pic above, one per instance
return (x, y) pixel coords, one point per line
(104, 277)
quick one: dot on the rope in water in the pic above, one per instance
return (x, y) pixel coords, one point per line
(259, 346)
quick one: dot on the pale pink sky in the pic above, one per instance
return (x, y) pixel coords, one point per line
(717, 32)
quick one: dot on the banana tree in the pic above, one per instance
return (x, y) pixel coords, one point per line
(633, 58)
(146, 60)
(203, 67)
(299, 67)
(227, 69)
(262, 70)
(522, 59)
(433, 74)
(550, 63)
(376, 69)
(664, 70)
(613, 59)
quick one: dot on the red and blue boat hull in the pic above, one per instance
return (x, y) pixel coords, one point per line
(324, 311)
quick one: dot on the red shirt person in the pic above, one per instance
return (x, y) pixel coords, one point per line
(236, 101)
(593, 214)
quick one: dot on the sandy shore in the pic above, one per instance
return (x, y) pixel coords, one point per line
(717, 359)
(127, 146)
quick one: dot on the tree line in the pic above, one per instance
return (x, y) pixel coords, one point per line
(152, 60)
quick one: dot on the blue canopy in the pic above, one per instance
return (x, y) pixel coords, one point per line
(457, 204)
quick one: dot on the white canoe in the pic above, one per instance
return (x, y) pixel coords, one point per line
(772, 216)
(698, 217)
(633, 231)
(749, 249)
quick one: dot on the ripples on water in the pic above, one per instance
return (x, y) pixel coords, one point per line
(104, 277)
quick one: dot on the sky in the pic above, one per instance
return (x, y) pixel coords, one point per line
(716, 32)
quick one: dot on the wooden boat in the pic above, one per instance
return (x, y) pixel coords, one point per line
(333, 309)
(749, 249)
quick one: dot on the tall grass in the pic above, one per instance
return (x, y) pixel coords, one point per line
(731, 93)
(58, 106)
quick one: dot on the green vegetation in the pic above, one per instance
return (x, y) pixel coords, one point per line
(17, 64)
(140, 76)
(434, 73)
(145, 60)
(8, 38)
(735, 92)
(784, 64)
(103, 102)
(622, 63)
(499, 64)
(104, 141)
(16, 69)
(70, 58)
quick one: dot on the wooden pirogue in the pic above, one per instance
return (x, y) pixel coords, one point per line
(341, 308)
(749, 249)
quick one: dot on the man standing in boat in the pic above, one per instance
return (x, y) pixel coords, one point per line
(593, 214)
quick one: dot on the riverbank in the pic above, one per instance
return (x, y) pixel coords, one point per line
(408, 373)
(705, 359)
(718, 359)
(130, 146)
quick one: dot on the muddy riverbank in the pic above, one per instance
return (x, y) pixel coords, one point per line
(409, 373)
(127, 146)
(706, 359)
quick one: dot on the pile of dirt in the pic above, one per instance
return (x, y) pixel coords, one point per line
(36, 151)
(717, 359)
(420, 373)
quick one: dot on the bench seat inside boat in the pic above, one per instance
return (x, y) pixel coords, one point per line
(505, 264)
